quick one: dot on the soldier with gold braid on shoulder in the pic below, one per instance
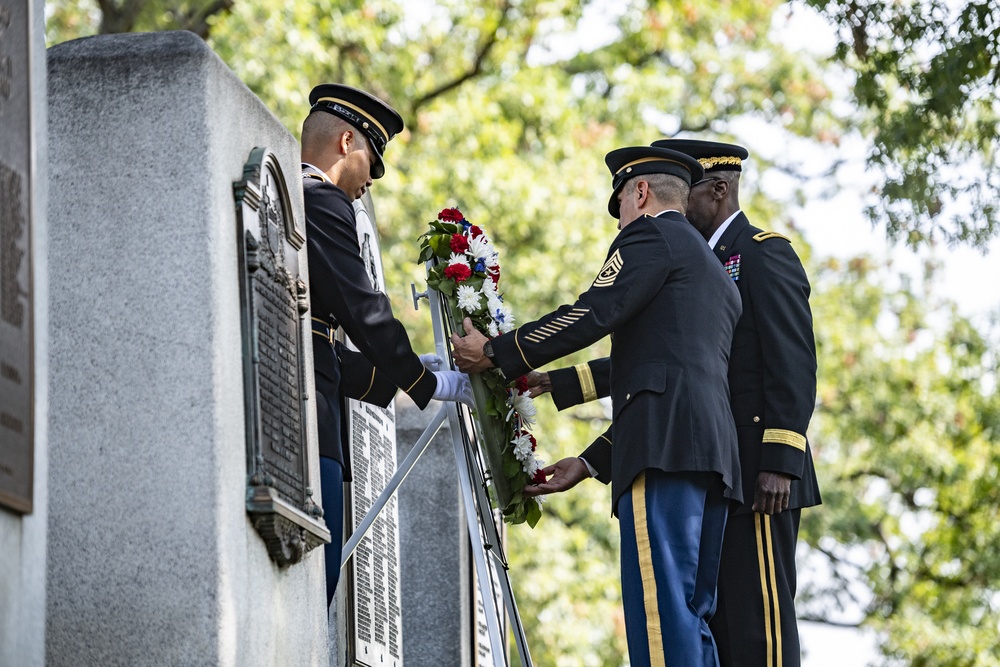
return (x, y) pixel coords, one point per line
(772, 382)
(671, 454)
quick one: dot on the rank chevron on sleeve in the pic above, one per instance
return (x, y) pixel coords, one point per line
(610, 270)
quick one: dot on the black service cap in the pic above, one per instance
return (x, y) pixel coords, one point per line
(713, 155)
(378, 121)
(627, 163)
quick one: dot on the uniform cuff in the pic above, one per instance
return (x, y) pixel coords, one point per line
(591, 469)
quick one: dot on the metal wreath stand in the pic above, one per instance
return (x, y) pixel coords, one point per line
(487, 549)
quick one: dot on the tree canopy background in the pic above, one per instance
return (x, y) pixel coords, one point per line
(510, 107)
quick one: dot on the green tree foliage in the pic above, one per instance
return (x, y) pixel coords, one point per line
(906, 436)
(926, 75)
(504, 123)
(80, 18)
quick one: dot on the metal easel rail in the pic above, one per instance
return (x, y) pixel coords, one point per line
(487, 548)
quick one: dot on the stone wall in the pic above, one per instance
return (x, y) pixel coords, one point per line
(152, 559)
(23, 537)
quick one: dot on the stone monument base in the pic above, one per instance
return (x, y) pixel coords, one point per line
(153, 559)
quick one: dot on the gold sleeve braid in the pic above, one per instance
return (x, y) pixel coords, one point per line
(372, 384)
(586, 378)
(783, 437)
(421, 377)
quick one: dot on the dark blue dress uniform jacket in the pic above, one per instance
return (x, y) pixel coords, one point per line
(772, 367)
(671, 310)
(341, 293)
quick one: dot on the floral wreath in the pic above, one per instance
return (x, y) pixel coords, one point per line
(466, 273)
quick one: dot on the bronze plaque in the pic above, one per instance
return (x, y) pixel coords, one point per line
(375, 595)
(273, 303)
(16, 317)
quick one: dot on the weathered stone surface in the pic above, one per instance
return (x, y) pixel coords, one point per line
(23, 536)
(152, 558)
(436, 573)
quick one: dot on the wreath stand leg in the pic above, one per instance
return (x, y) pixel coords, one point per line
(483, 532)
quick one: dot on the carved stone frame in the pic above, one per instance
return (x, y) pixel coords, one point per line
(269, 242)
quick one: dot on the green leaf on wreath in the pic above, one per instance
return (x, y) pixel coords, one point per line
(510, 467)
(534, 512)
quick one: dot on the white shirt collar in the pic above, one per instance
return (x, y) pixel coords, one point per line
(721, 230)
(666, 210)
(320, 171)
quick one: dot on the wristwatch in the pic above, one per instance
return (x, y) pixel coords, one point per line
(488, 352)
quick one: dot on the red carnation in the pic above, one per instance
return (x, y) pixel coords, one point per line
(534, 443)
(451, 215)
(458, 272)
(538, 477)
(495, 274)
(475, 231)
(459, 243)
(521, 383)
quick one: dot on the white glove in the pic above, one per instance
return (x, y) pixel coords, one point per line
(453, 386)
(431, 362)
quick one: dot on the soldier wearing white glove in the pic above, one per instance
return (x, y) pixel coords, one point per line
(454, 386)
(431, 362)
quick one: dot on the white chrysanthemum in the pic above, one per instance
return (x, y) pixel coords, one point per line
(489, 287)
(492, 329)
(524, 407)
(491, 260)
(507, 322)
(531, 465)
(522, 446)
(481, 248)
(493, 302)
(458, 259)
(469, 298)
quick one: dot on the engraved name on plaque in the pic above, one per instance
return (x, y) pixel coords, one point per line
(273, 304)
(375, 595)
(16, 316)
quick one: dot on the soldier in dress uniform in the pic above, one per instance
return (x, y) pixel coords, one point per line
(772, 382)
(343, 139)
(671, 311)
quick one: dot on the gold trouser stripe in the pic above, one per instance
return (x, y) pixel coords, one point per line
(762, 523)
(783, 437)
(653, 629)
(586, 378)
(765, 597)
(418, 380)
(522, 351)
(370, 385)
(774, 589)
